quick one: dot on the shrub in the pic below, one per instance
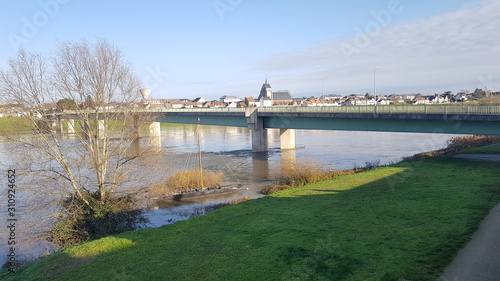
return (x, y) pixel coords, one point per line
(84, 223)
(423, 155)
(298, 175)
(466, 142)
(270, 189)
(301, 174)
(369, 165)
(186, 180)
(456, 144)
(190, 179)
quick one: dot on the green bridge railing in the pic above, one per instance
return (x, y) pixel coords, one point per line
(461, 109)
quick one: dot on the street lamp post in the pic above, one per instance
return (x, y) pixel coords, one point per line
(323, 90)
(375, 85)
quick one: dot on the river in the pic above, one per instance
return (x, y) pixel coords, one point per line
(228, 150)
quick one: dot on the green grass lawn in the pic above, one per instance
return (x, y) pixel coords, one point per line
(403, 221)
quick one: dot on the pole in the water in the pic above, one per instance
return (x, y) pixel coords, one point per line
(199, 156)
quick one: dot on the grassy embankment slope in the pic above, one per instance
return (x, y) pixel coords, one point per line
(20, 125)
(14, 126)
(403, 221)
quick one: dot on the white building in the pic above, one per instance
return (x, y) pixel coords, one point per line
(230, 99)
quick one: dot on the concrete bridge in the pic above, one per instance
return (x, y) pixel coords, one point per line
(94, 126)
(451, 119)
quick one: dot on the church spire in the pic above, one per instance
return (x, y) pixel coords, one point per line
(266, 90)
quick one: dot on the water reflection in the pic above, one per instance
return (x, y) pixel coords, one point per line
(288, 158)
(260, 164)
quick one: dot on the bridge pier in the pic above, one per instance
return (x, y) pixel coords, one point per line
(288, 160)
(260, 165)
(55, 125)
(155, 135)
(259, 133)
(85, 129)
(256, 127)
(134, 133)
(101, 129)
(58, 125)
(70, 125)
(93, 129)
(287, 138)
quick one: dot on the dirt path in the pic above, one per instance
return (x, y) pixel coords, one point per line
(489, 157)
(479, 260)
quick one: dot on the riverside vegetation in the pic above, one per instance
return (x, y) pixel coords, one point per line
(297, 175)
(185, 180)
(401, 221)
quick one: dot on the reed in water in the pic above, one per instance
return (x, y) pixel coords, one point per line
(188, 180)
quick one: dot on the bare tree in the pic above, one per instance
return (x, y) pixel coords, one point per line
(101, 163)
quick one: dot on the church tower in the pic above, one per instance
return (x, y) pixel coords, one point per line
(266, 91)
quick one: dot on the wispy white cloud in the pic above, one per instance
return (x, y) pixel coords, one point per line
(449, 51)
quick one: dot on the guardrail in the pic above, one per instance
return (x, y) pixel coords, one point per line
(460, 109)
(216, 110)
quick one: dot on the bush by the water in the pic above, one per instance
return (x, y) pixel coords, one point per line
(300, 174)
(187, 180)
(466, 142)
(457, 144)
(102, 218)
(190, 179)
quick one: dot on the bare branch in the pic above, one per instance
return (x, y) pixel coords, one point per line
(101, 156)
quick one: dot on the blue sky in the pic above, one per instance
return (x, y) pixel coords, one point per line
(211, 48)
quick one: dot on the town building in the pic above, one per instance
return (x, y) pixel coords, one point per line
(199, 100)
(230, 99)
(250, 101)
(269, 98)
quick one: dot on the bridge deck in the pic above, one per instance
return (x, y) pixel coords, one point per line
(458, 109)
(451, 119)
